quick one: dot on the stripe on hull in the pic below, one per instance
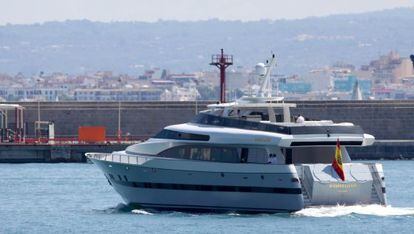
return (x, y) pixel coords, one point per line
(219, 188)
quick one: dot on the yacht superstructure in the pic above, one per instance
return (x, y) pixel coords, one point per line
(250, 155)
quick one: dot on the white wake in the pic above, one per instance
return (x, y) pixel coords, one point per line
(334, 211)
(141, 212)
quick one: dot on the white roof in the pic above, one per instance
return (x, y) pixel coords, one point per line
(254, 102)
(227, 135)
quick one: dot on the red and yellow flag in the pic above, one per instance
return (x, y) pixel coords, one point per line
(337, 162)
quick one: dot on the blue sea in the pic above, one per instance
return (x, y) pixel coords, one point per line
(76, 198)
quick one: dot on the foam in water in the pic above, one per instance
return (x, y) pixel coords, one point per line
(233, 214)
(141, 212)
(334, 211)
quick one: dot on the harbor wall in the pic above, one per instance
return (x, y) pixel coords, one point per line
(383, 119)
(43, 153)
(46, 153)
(391, 122)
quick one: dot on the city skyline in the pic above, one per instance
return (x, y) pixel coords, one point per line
(30, 12)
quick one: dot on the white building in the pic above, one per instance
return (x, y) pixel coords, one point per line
(134, 94)
(32, 94)
(180, 94)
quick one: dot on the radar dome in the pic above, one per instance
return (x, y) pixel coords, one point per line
(260, 69)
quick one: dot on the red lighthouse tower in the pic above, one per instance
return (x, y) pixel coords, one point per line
(222, 61)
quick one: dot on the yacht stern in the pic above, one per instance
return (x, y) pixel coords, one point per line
(363, 184)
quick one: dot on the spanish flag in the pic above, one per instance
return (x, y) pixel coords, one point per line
(337, 162)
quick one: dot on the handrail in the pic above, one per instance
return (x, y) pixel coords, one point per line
(210, 119)
(76, 141)
(307, 185)
(377, 182)
(120, 158)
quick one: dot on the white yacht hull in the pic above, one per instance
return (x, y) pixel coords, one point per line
(150, 182)
(162, 186)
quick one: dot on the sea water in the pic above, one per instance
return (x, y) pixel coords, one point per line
(76, 198)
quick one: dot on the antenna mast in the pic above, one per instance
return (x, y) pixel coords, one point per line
(266, 87)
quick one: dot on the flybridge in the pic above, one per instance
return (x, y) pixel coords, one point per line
(246, 103)
(291, 129)
(258, 113)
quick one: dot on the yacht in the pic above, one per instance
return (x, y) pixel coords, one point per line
(250, 155)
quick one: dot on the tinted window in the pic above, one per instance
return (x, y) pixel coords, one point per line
(264, 116)
(244, 154)
(238, 123)
(205, 153)
(169, 134)
(257, 155)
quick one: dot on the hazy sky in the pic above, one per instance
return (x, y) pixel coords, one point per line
(33, 11)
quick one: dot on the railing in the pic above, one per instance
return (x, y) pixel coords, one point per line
(75, 141)
(307, 184)
(209, 119)
(377, 183)
(120, 158)
(217, 58)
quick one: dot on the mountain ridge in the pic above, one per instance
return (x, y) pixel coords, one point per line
(79, 46)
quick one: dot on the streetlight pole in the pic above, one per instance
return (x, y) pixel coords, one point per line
(119, 111)
(38, 119)
(194, 91)
(38, 114)
(119, 120)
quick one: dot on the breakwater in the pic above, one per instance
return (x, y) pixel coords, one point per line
(391, 121)
(386, 120)
(47, 153)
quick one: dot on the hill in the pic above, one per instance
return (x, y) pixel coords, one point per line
(129, 47)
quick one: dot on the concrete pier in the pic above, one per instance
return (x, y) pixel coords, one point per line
(391, 122)
(43, 153)
(13, 153)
